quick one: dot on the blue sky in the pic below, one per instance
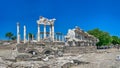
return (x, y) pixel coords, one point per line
(87, 14)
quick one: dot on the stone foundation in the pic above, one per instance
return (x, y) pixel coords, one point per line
(79, 49)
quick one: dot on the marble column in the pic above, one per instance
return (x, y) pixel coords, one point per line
(18, 33)
(50, 31)
(24, 34)
(55, 38)
(63, 38)
(44, 31)
(38, 35)
(59, 37)
(53, 33)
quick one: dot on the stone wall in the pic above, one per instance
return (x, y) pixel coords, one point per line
(78, 49)
(67, 65)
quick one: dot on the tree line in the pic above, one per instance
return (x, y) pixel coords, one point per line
(11, 36)
(104, 37)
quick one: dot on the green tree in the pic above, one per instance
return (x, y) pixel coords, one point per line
(30, 36)
(115, 40)
(9, 35)
(13, 38)
(104, 37)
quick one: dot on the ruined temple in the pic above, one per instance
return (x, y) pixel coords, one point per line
(78, 37)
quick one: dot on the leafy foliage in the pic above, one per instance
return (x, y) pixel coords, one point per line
(30, 35)
(13, 38)
(104, 37)
(115, 40)
(10, 36)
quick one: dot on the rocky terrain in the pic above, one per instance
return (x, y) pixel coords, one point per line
(100, 59)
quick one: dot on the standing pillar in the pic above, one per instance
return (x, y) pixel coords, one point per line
(53, 33)
(44, 31)
(59, 38)
(55, 38)
(50, 31)
(38, 33)
(24, 34)
(63, 38)
(18, 33)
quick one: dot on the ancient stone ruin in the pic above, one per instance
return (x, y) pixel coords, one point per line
(49, 50)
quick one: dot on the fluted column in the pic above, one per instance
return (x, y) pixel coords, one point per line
(44, 31)
(24, 34)
(18, 33)
(38, 33)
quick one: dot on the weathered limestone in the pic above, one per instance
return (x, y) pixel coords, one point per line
(44, 21)
(79, 37)
(18, 33)
(41, 36)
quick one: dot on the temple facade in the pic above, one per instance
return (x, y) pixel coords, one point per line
(42, 36)
(74, 37)
(78, 37)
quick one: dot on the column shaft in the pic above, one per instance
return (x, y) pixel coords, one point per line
(63, 38)
(59, 37)
(38, 32)
(24, 34)
(55, 38)
(50, 31)
(18, 33)
(53, 33)
(44, 31)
